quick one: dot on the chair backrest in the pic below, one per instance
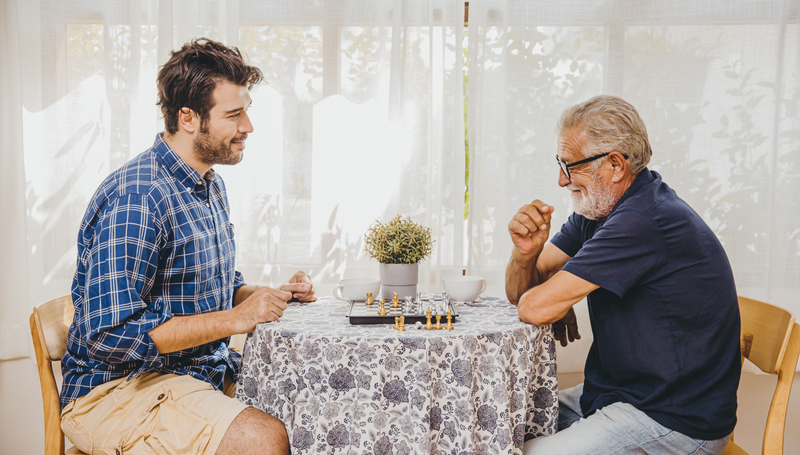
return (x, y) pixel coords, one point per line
(771, 340)
(50, 323)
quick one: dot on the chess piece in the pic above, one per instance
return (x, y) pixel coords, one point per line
(418, 325)
(449, 325)
(395, 302)
(382, 311)
(370, 300)
(428, 325)
(396, 323)
(438, 322)
(402, 324)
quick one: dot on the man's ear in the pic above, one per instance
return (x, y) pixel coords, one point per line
(188, 120)
(619, 166)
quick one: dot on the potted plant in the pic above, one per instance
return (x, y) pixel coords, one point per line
(398, 246)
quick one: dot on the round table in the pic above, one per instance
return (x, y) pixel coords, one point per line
(484, 387)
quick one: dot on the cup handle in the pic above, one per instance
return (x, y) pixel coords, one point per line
(483, 288)
(337, 292)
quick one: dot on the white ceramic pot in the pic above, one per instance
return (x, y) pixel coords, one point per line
(399, 278)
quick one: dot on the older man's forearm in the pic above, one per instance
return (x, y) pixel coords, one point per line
(521, 275)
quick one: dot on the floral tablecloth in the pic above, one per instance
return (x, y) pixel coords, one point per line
(483, 388)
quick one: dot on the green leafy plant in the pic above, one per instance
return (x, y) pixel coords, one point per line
(400, 241)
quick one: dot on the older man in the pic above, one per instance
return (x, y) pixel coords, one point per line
(662, 372)
(156, 293)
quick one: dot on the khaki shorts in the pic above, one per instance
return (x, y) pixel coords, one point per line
(152, 414)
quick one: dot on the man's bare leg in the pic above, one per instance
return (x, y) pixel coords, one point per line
(254, 432)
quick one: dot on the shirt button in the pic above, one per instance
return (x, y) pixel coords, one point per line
(160, 397)
(208, 205)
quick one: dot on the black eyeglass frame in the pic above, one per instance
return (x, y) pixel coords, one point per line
(565, 167)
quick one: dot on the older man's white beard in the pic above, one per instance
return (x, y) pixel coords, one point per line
(596, 204)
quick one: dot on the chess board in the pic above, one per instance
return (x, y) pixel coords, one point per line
(414, 310)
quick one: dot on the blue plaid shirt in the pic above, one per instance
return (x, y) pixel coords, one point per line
(155, 242)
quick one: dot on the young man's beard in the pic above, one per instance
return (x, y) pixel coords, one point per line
(598, 201)
(211, 150)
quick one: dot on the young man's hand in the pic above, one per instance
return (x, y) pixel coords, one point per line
(301, 287)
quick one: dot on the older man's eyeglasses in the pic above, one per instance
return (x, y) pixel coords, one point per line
(565, 167)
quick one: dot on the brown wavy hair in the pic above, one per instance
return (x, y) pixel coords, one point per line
(191, 74)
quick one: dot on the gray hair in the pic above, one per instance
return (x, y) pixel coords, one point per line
(612, 124)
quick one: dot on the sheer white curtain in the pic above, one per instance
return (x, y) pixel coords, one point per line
(716, 83)
(361, 119)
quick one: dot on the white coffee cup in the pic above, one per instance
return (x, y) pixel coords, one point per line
(357, 288)
(464, 288)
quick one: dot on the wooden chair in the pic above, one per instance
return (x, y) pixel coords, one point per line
(771, 340)
(50, 322)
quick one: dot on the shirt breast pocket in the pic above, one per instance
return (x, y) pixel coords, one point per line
(192, 260)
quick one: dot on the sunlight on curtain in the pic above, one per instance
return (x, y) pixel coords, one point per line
(716, 83)
(360, 119)
(13, 273)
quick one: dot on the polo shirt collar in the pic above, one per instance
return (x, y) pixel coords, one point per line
(644, 178)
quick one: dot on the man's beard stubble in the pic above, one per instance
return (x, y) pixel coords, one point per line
(597, 203)
(211, 151)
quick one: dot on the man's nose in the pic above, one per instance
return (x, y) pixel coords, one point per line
(245, 126)
(562, 178)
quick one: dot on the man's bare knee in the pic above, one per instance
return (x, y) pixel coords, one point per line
(254, 432)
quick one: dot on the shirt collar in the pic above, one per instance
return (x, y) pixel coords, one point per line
(183, 173)
(643, 179)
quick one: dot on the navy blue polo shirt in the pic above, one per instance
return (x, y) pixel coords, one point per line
(665, 318)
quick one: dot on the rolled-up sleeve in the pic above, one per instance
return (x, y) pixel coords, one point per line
(238, 281)
(120, 269)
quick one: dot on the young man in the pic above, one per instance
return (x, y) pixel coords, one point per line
(156, 293)
(662, 373)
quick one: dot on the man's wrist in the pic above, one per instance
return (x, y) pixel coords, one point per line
(242, 293)
(523, 260)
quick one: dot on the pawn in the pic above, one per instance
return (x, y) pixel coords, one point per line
(395, 301)
(382, 311)
(370, 300)
(438, 322)
(396, 323)
(402, 324)
(449, 325)
(428, 325)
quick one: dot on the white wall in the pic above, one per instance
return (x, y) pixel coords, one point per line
(22, 427)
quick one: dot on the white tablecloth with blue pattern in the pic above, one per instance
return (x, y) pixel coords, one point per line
(483, 388)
